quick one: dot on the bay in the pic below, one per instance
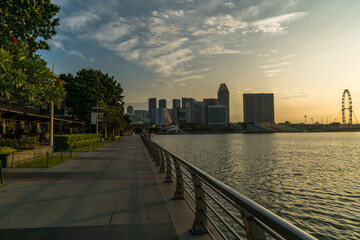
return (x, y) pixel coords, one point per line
(310, 179)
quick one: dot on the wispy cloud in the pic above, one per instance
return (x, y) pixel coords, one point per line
(274, 24)
(76, 53)
(229, 4)
(79, 20)
(187, 78)
(221, 50)
(275, 65)
(111, 31)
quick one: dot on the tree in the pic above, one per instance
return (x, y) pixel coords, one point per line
(32, 21)
(88, 88)
(25, 78)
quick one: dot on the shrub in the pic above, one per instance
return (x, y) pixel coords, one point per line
(7, 150)
(19, 143)
(64, 142)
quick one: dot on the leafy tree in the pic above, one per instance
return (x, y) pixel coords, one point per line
(25, 78)
(32, 21)
(88, 88)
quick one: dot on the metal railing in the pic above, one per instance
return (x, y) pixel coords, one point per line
(219, 210)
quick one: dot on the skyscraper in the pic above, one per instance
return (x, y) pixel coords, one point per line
(130, 109)
(258, 107)
(162, 103)
(223, 99)
(176, 103)
(152, 105)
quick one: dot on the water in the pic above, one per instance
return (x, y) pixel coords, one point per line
(310, 179)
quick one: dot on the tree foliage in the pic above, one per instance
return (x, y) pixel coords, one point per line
(32, 21)
(88, 88)
(25, 78)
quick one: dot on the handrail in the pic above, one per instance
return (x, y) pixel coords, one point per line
(258, 221)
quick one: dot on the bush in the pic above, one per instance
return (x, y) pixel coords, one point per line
(19, 143)
(7, 150)
(65, 142)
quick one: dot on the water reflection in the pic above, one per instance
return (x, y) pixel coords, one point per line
(311, 179)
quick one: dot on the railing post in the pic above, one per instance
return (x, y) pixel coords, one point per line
(157, 156)
(200, 207)
(253, 231)
(70, 153)
(179, 191)
(162, 161)
(1, 173)
(168, 168)
(47, 159)
(12, 159)
(61, 155)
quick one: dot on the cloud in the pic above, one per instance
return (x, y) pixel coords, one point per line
(274, 24)
(187, 78)
(229, 4)
(224, 24)
(76, 53)
(221, 50)
(78, 20)
(57, 45)
(126, 46)
(275, 65)
(111, 31)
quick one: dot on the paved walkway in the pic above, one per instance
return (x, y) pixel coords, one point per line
(114, 192)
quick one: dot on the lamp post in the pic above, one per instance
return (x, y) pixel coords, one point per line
(52, 124)
(97, 117)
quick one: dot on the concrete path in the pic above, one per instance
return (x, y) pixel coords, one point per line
(114, 192)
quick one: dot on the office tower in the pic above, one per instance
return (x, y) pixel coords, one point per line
(162, 116)
(258, 107)
(175, 111)
(184, 102)
(198, 112)
(176, 103)
(162, 103)
(216, 115)
(130, 109)
(210, 101)
(152, 105)
(141, 113)
(223, 99)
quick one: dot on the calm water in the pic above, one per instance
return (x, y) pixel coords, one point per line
(310, 179)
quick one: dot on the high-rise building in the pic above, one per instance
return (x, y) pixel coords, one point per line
(223, 99)
(210, 101)
(185, 102)
(161, 116)
(175, 110)
(176, 103)
(259, 107)
(152, 105)
(216, 115)
(130, 109)
(141, 113)
(162, 103)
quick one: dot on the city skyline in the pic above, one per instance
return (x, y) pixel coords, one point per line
(302, 51)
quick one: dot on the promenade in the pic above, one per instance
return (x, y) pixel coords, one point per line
(114, 192)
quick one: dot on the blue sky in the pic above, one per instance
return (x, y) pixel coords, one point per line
(306, 52)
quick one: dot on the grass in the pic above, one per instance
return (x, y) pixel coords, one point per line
(55, 158)
(2, 185)
(42, 162)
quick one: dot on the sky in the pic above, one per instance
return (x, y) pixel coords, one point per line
(306, 52)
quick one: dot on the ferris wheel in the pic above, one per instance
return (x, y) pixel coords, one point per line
(343, 108)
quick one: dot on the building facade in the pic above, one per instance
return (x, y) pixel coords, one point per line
(162, 103)
(152, 105)
(258, 108)
(130, 109)
(216, 115)
(224, 99)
